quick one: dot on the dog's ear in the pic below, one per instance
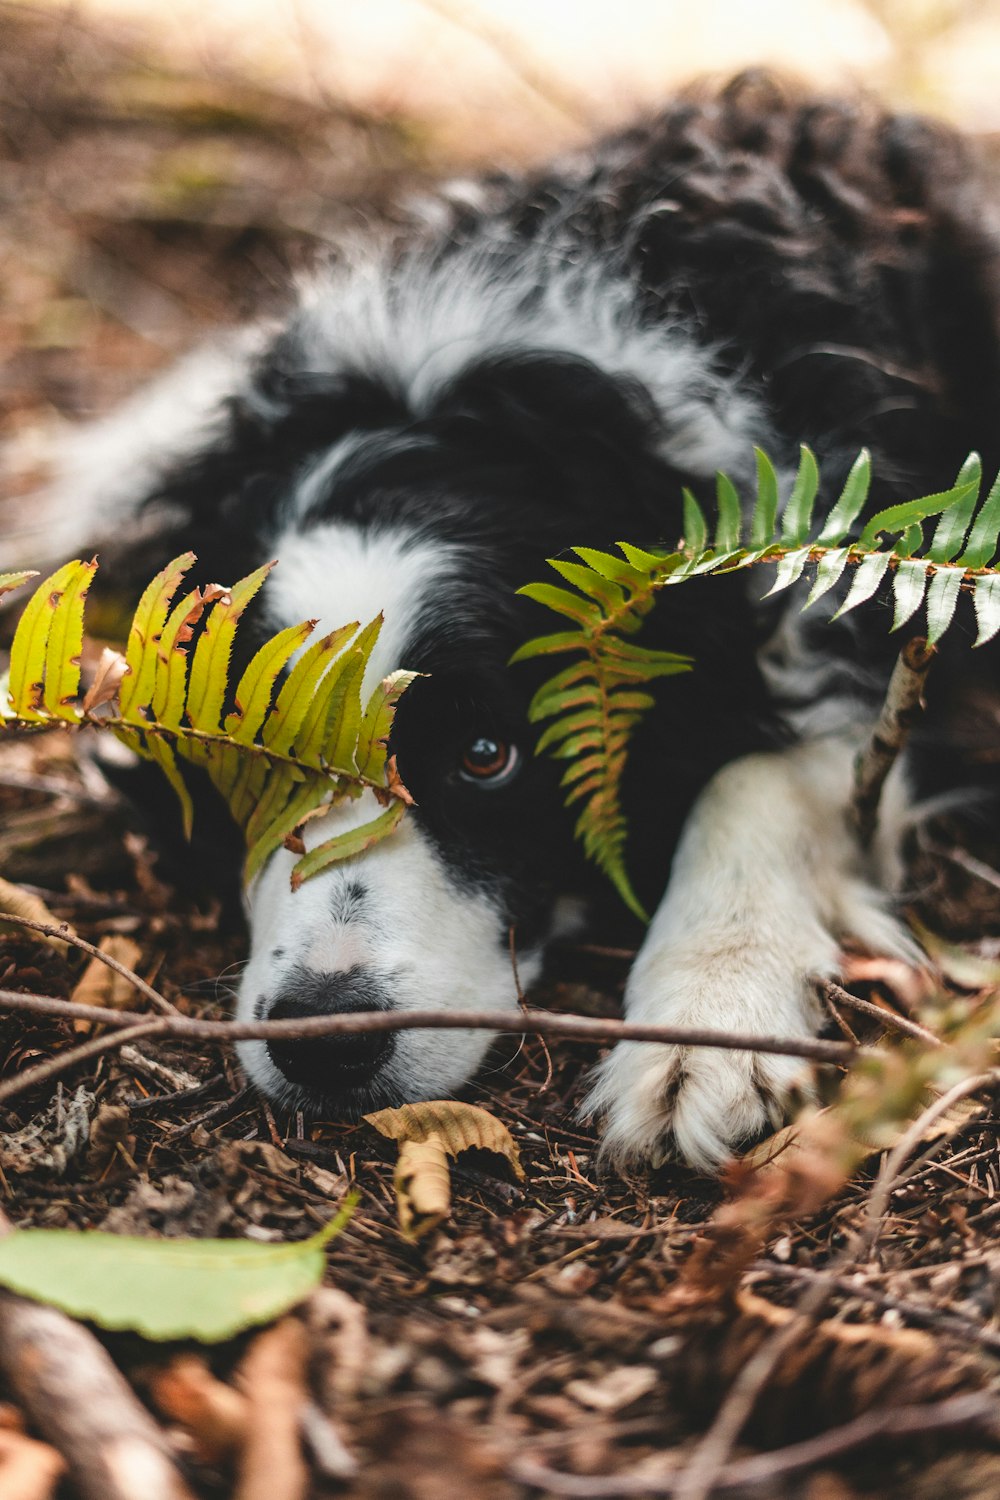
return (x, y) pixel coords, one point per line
(591, 432)
(545, 401)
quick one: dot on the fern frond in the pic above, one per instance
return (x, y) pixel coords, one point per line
(278, 755)
(592, 704)
(597, 701)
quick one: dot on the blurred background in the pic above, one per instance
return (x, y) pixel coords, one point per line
(165, 165)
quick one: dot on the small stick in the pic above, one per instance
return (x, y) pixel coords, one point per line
(62, 1062)
(904, 701)
(976, 1411)
(889, 1018)
(65, 934)
(129, 1025)
(273, 1376)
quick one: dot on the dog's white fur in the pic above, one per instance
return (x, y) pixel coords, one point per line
(767, 881)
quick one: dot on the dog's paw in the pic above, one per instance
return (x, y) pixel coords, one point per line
(698, 1103)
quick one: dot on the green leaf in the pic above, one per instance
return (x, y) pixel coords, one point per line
(208, 1290)
(954, 523)
(136, 691)
(333, 722)
(589, 582)
(613, 567)
(850, 504)
(563, 602)
(897, 518)
(29, 646)
(790, 570)
(942, 601)
(828, 573)
(300, 687)
(210, 665)
(658, 564)
(984, 538)
(255, 687)
(797, 518)
(727, 533)
(377, 722)
(765, 511)
(550, 645)
(867, 577)
(986, 601)
(695, 525)
(170, 683)
(908, 586)
(348, 845)
(65, 644)
(11, 581)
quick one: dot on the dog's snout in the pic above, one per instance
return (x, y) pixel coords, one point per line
(329, 1064)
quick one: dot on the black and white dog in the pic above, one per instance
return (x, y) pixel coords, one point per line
(542, 362)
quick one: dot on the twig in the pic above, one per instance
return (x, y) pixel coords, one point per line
(885, 1183)
(62, 1062)
(976, 1410)
(273, 1376)
(65, 934)
(902, 706)
(951, 1324)
(523, 1005)
(128, 1025)
(889, 1018)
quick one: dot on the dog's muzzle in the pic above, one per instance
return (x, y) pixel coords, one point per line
(331, 1066)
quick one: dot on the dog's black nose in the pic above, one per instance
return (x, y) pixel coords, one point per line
(330, 1064)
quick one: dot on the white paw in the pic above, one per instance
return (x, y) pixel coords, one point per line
(695, 1103)
(700, 1103)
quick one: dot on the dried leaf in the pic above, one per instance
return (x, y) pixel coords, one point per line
(101, 985)
(428, 1133)
(423, 1185)
(107, 679)
(21, 903)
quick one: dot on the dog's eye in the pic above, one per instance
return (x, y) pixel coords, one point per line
(487, 761)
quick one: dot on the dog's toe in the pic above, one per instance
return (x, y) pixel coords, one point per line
(693, 1103)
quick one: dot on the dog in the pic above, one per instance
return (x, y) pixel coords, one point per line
(542, 361)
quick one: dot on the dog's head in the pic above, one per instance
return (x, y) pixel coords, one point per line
(435, 523)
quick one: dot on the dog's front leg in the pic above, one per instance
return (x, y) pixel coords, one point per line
(766, 881)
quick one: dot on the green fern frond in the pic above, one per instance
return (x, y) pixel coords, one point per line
(279, 755)
(596, 702)
(594, 705)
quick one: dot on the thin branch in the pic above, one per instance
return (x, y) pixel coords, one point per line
(885, 1183)
(889, 1018)
(945, 1323)
(64, 932)
(350, 1023)
(976, 1411)
(903, 704)
(124, 1024)
(62, 1062)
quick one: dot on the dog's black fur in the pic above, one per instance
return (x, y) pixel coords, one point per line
(836, 273)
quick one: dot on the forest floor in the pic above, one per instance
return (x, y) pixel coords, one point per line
(551, 1337)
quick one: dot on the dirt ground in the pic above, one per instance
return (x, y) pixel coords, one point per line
(549, 1339)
